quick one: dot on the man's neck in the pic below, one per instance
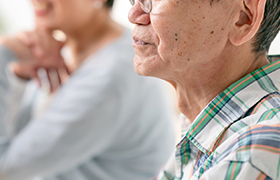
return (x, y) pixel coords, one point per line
(203, 88)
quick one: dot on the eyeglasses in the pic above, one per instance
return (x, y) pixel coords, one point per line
(146, 5)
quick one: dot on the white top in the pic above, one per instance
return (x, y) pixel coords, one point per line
(105, 123)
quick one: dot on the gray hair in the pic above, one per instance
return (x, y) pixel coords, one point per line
(269, 28)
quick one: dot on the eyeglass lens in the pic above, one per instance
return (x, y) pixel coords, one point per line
(146, 5)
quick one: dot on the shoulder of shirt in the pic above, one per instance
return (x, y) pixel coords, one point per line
(258, 145)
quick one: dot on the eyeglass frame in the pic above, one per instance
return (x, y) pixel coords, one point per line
(144, 8)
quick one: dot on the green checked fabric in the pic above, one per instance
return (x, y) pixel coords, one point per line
(237, 136)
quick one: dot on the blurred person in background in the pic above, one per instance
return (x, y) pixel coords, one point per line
(104, 122)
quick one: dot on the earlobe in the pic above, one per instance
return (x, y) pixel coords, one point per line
(248, 22)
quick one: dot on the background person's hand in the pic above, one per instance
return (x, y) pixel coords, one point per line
(23, 53)
(38, 50)
(46, 50)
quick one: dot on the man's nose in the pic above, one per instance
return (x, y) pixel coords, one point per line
(136, 15)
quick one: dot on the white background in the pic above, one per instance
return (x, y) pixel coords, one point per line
(17, 15)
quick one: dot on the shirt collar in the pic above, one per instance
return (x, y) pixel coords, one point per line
(232, 104)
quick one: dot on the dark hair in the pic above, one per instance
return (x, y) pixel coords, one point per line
(109, 3)
(269, 28)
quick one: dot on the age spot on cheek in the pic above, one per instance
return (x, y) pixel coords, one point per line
(212, 32)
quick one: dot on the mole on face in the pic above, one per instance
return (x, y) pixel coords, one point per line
(176, 39)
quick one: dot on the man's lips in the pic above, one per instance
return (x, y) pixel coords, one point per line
(139, 41)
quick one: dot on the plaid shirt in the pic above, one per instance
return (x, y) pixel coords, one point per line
(237, 136)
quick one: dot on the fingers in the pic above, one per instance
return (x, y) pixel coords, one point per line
(45, 51)
(37, 79)
(51, 79)
(25, 38)
(24, 71)
(55, 80)
(63, 74)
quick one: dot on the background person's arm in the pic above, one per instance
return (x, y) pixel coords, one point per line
(75, 128)
(66, 135)
(6, 56)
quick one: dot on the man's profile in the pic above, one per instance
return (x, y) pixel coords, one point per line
(214, 53)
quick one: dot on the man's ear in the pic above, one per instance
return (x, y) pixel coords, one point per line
(248, 21)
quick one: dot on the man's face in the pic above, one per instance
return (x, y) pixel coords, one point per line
(179, 35)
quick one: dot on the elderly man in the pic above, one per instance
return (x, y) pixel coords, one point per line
(214, 53)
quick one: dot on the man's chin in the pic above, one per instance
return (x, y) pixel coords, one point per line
(140, 71)
(146, 66)
(140, 67)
